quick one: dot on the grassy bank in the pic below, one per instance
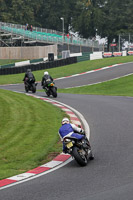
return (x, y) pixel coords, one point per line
(119, 87)
(68, 70)
(28, 132)
(10, 61)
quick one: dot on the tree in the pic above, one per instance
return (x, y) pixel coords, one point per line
(52, 11)
(19, 11)
(109, 18)
(5, 14)
(106, 17)
(116, 19)
(87, 17)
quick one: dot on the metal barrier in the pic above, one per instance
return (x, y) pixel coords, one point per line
(47, 35)
(37, 66)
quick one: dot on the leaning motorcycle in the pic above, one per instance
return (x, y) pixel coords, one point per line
(79, 149)
(30, 85)
(51, 89)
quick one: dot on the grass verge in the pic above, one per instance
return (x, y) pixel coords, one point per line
(28, 132)
(10, 61)
(68, 69)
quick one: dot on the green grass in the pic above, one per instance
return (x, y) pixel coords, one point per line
(68, 70)
(119, 87)
(28, 132)
(10, 61)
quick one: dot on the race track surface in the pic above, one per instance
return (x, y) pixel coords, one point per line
(110, 175)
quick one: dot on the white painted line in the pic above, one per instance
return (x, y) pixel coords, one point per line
(18, 92)
(105, 67)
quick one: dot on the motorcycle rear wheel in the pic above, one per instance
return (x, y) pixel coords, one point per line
(79, 157)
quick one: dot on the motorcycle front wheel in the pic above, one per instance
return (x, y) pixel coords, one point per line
(79, 157)
(33, 88)
(26, 88)
(47, 92)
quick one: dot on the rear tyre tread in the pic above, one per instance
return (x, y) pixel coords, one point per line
(78, 158)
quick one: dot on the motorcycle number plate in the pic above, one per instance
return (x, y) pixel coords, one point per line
(69, 145)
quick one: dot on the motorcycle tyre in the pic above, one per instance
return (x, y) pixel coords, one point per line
(91, 156)
(78, 158)
(33, 88)
(53, 91)
(26, 89)
(47, 93)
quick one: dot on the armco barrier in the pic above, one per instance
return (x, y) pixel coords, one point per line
(7, 66)
(38, 66)
(116, 54)
(85, 56)
(36, 60)
(130, 53)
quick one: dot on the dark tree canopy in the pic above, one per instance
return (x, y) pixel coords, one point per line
(106, 17)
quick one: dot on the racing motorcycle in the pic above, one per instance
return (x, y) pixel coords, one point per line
(79, 149)
(50, 89)
(30, 85)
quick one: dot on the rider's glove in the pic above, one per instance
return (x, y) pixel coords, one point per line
(82, 132)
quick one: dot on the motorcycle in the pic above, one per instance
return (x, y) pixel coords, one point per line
(79, 149)
(30, 85)
(50, 89)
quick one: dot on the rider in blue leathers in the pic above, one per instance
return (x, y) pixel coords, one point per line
(70, 130)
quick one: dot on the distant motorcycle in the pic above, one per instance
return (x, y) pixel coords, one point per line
(50, 89)
(30, 85)
(79, 149)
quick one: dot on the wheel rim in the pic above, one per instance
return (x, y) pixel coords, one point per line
(83, 156)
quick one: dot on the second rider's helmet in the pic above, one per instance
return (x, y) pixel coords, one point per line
(46, 73)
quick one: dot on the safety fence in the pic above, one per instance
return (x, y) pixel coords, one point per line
(85, 56)
(46, 35)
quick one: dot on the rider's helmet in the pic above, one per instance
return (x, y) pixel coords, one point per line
(65, 120)
(28, 70)
(46, 73)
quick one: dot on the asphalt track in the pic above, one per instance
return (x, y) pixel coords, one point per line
(110, 175)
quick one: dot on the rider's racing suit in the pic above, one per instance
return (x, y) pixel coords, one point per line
(70, 130)
(45, 80)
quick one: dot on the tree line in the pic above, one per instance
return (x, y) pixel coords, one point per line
(107, 18)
